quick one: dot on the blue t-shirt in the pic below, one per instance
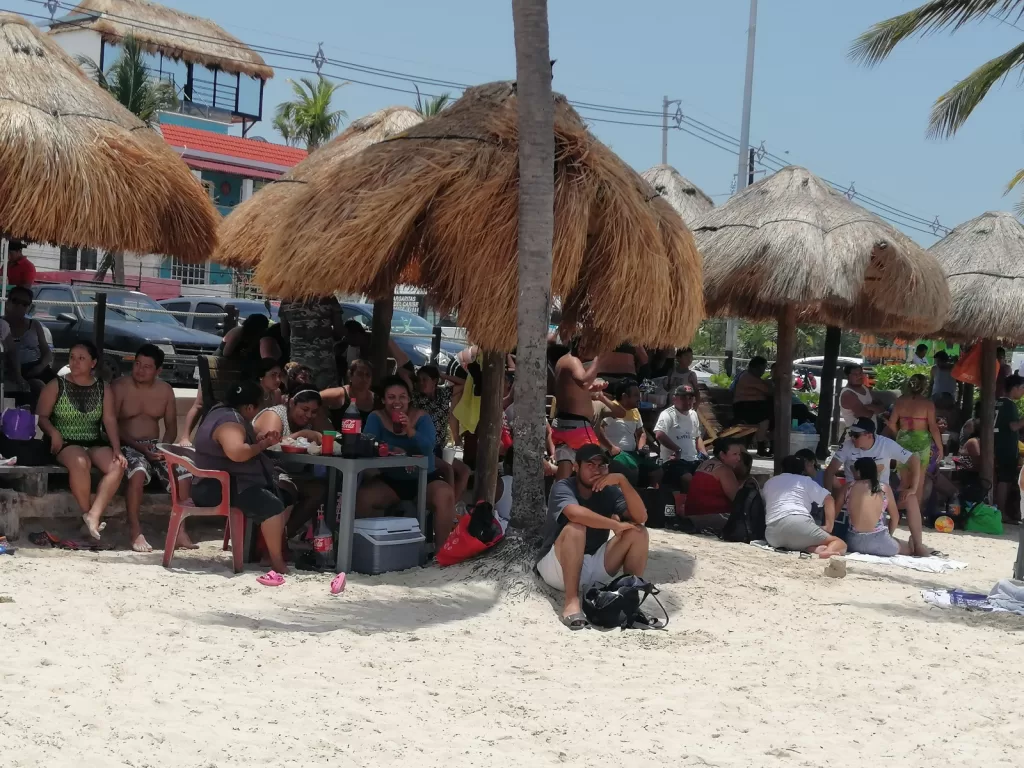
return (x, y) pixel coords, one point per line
(422, 444)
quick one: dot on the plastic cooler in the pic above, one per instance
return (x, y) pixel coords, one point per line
(800, 440)
(383, 544)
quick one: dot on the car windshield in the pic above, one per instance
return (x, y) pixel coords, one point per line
(246, 308)
(133, 307)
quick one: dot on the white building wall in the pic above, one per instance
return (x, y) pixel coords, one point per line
(80, 42)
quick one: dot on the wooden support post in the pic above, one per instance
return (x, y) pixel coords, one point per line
(380, 331)
(488, 431)
(988, 412)
(837, 419)
(100, 328)
(435, 345)
(833, 339)
(967, 405)
(785, 343)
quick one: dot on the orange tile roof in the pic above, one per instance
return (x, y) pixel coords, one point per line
(180, 136)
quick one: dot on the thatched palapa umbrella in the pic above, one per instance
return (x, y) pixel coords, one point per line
(443, 198)
(245, 234)
(685, 197)
(78, 169)
(984, 263)
(791, 248)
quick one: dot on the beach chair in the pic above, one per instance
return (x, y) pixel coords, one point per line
(234, 531)
(714, 430)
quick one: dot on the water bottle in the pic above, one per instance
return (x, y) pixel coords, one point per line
(323, 542)
(351, 428)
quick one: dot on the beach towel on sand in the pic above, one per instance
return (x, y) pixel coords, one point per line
(925, 564)
(1007, 596)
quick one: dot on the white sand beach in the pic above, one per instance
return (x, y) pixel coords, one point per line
(110, 660)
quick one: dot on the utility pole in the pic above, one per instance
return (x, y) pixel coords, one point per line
(745, 175)
(665, 104)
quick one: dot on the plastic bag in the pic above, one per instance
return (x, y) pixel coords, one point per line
(463, 542)
(984, 518)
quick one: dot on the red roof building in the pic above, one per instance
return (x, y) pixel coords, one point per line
(249, 158)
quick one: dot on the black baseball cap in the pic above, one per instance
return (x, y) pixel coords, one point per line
(15, 245)
(589, 453)
(864, 425)
(684, 390)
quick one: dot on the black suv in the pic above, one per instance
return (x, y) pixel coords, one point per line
(67, 312)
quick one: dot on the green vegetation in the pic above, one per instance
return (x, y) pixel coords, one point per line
(895, 376)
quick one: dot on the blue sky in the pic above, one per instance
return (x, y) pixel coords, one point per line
(842, 121)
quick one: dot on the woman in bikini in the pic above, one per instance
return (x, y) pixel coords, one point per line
(873, 515)
(913, 425)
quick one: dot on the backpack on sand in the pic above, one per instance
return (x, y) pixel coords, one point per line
(747, 521)
(618, 604)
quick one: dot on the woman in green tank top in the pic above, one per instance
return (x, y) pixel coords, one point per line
(74, 411)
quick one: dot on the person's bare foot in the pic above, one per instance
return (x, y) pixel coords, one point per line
(139, 544)
(92, 525)
(183, 541)
(823, 551)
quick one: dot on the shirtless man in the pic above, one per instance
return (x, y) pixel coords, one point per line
(572, 427)
(141, 401)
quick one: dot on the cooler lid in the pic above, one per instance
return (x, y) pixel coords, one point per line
(379, 525)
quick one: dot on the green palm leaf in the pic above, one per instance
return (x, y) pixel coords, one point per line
(954, 106)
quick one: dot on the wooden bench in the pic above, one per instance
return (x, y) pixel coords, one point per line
(216, 376)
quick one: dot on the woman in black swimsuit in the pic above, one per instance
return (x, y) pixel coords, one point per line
(359, 389)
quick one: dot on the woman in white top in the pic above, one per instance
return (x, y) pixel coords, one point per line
(291, 420)
(856, 401)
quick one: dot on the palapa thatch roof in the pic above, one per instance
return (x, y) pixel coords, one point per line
(160, 29)
(792, 239)
(245, 234)
(688, 200)
(984, 263)
(443, 199)
(78, 169)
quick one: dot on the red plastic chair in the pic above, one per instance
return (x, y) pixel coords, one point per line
(175, 456)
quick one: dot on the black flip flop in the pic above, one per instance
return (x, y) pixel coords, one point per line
(576, 621)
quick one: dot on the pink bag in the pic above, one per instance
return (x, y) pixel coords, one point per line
(18, 424)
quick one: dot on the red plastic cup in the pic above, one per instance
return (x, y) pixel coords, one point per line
(327, 444)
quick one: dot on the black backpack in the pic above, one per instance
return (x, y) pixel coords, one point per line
(746, 523)
(618, 604)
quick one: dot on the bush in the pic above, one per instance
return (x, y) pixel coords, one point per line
(895, 376)
(809, 398)
(722, 380)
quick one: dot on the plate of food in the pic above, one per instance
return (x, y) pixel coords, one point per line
(288, 445)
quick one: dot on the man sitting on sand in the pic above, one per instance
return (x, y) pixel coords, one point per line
(788, 498)
(141, 400)
(581, 511)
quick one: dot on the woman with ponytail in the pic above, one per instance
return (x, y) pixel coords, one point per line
(873, 514)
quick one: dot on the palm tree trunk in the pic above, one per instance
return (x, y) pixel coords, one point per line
(113, 261)
(536, 229)
(118, 273)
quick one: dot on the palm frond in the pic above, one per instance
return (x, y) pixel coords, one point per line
(953, 108)
(878, 42)
(433, 106)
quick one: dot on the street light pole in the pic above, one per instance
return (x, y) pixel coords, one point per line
(744, 166)
(665, 104)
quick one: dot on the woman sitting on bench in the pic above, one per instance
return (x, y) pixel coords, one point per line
(72, 411)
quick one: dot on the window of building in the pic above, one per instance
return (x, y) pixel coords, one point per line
(68, 258)
(87, 258)
(188, 274)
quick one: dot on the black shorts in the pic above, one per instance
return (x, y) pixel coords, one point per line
(753, 412)
(257, 503)
(407, 488)
(1006, 470)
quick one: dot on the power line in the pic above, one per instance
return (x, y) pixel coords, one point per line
(694, 128)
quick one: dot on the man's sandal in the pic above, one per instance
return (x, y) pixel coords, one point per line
(576, 621)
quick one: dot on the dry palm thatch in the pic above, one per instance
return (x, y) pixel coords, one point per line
(159, 29)
(245, 234)
(443, 199)
(688, 200)
(791, 239)
(984, 263)
(77, 168)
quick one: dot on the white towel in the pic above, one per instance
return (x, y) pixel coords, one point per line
(926, 564)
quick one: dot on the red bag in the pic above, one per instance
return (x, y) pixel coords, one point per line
(968, 367)
(462, 545)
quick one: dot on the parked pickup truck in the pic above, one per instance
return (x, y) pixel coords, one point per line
(67, 312)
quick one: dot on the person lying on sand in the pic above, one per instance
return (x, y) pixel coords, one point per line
(789, 525)
(141, 400)
(873, 514)
(582, 510)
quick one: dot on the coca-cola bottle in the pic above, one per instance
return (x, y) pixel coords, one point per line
(351, 428)
(323, 541)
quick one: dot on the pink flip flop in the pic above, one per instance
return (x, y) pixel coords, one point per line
(338, 584)
(271, 579)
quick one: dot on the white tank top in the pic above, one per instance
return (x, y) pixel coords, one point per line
(847, 415)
